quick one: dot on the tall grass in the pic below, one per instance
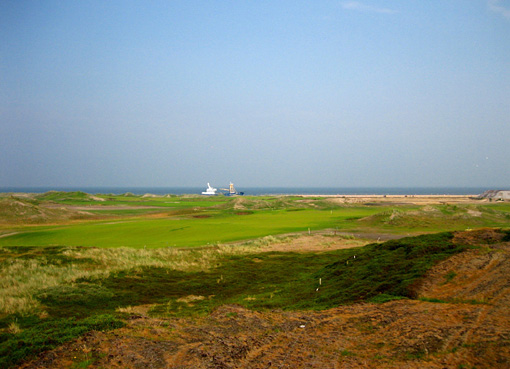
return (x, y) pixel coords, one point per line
(22, 276)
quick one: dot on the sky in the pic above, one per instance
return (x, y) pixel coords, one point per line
(371, 93)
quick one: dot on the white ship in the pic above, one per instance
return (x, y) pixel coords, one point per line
(210, 190)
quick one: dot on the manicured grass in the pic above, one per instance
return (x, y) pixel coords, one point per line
(195, 221)
(189, 227)
(183, 231)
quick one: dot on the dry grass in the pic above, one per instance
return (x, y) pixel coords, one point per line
(21, 279)
(14, 328)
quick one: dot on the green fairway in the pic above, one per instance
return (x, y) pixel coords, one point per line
(203, 229)
(80, 219)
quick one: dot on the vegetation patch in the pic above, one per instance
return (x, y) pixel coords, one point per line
(52, 294)
(49, 334)
(435, 217)
(107, 220)
(387, 269)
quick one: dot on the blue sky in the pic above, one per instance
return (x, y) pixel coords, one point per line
(262, 93)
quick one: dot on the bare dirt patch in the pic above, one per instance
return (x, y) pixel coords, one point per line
(314, 243)
(8, 234)
(326, 240)
(405, 199)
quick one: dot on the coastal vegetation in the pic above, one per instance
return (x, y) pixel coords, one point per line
(53, 294)
(79, 219)
(71, 263)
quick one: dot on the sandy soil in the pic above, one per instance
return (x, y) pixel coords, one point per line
(471, 328)
(406, 199)
(327, 240)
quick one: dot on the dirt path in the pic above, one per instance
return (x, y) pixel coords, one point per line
(8, 234)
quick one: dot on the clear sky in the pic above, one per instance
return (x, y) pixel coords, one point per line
(261, 93)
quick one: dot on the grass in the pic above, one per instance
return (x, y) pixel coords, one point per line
(187, 221)
(58, 293)
(49, 334)
(50, 293)
(438, 218)
(196, 221)
(185, 230)
(68, 277)
(201, 227)
(450, 276)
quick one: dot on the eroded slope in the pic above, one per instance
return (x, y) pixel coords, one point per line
(460, 319)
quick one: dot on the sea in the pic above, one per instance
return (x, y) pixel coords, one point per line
(261, 191)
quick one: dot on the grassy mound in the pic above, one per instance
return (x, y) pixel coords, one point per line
(380, 272)
(376, 272)
(434, 217)
(61, 196)
(289, 203)
(28, 211)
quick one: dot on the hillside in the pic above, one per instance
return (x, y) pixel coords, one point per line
(433, 216)
(14, 210)
(458, 316)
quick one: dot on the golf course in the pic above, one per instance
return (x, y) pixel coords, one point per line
(74, 263)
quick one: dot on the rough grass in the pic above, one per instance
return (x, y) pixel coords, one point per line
(28, 269)
(49, 334)
(434, 218)
(58, 293)
(387, 269)
(28, 211)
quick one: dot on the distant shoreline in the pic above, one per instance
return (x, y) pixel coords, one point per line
(360, 199)
(269, 191)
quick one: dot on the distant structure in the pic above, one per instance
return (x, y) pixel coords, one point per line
(231, 190)
(210, 190)
(498, 195)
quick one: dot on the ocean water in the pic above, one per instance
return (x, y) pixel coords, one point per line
(257, 191)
